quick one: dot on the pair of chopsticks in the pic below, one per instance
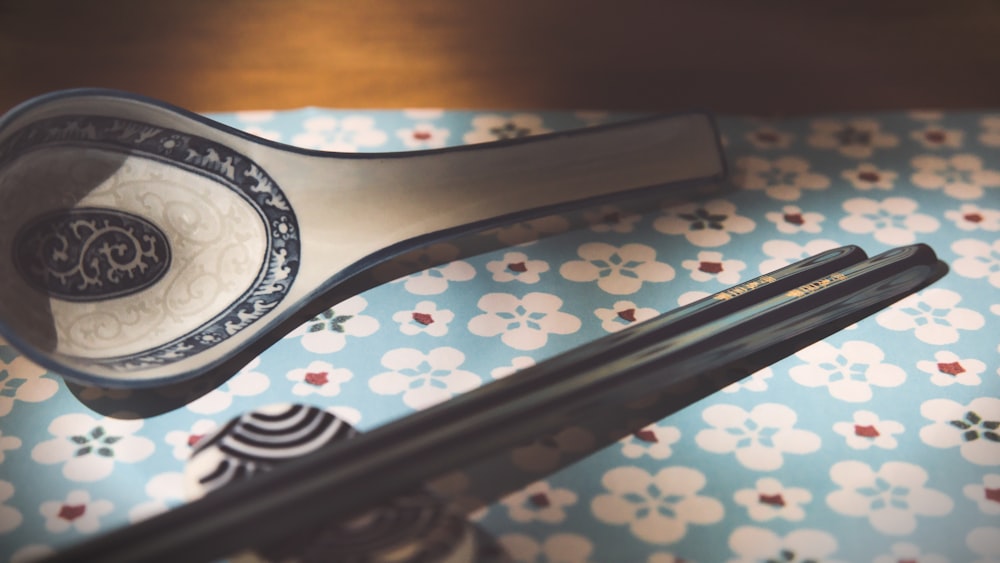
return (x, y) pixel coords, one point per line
(767, 317)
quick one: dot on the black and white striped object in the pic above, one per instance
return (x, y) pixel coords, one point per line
(257, 441)
(412, 528)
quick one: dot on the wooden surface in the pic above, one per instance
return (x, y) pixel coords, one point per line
(729, 56)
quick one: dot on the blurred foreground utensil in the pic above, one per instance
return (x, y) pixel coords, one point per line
(686, 352)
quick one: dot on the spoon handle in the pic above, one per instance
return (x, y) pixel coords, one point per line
(400, 200)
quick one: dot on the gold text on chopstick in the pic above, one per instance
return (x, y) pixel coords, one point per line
(747, 287)
(816, 285)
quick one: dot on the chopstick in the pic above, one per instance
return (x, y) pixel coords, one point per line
(673, 349)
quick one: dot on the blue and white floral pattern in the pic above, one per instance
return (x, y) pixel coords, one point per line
(881, 443)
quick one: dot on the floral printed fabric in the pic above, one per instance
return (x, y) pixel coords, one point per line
(880, 443)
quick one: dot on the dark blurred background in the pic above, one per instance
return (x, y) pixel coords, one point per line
(764, 57)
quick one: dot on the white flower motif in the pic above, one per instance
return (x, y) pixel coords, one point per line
(423, 136)
(424, 318)
(539, 502)
(986, 494)
(973, 428)
(893, 221)
(654, 440)
(868, 176)
(783, 178)
(319, 378)
(77, 511)
(979, 259)
(706, 225)
(327, 332)
(516, 364)
(22, 380)
(867, 430)
(515, 266)
(891, 498)
(948, 368)
(255, 116)
(184, 441)
(767, 137)
(557, 548)
(10, 517)
(423, 113)
(657, 508)
(984, 541)
(525, 323)
(617, 270)
(252, 121)
(527, 232)
(991, 131)
(346, 134)
(961, 176)
(849, 372)
(623, 314)
(423, 379)
(933, 316)
(935, 137)
(753, 545)
(689, 297)
(857, 138)
(710, 265)
(902, 552)
(247, 383)
(755, 382)
(611, 219)
(8, 443)
(769, 499)
(793, 220)
(971, 217)
(546, 452)
(165, 490)
(492, 127)
(759, 438)
(785, 252)
(88, 448)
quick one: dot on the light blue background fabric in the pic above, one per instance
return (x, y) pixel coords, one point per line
(880, 443)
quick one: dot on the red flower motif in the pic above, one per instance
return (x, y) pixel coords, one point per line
(194, 439)
(518, 267)
(423, 318)
(868, 431)
(627, 315)
(794, 218)
(935, 136)
(613, 217)
(540, 500)
(710, 267)
(72, 511)
(773, 500)
(317, 378)
(646, 436)
(992, 494)
(950, 368)
(421, 135)
(973, 217)
(868, 176)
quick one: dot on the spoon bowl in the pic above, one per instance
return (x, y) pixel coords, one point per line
(142, 245)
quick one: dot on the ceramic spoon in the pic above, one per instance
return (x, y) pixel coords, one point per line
(141, 244)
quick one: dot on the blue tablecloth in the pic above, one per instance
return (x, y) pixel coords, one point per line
(880, 443)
